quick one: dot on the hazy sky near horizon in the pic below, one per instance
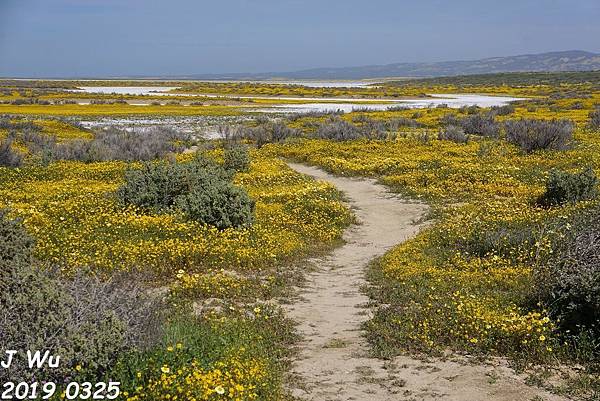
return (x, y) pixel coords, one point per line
(79, 38)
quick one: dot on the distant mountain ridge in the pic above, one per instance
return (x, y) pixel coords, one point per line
(572, 60)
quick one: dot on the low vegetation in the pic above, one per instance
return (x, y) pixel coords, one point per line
(201, 190)
(453, 133)
(568, 284)
(109, 144)
(507, 267)
(467, 281)
(236, 159)
(532, 135)
(595, 118)
(83, 248)
(8, 156)
(563, 187)
(87, 321)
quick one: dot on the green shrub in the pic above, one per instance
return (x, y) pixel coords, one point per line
(503, 110)
(531, 135)
(481, 124)
(154, 186)
(453, 133)
(568, 284)
(8, 157)
(220, 204)
(85, 321)
(237, 158)
(473, 124)
(15, 243)
(201, 190)
(564, 187)
(595, 118)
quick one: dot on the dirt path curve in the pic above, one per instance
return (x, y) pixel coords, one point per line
(333, 363)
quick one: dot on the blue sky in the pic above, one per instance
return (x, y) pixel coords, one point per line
(63, 38)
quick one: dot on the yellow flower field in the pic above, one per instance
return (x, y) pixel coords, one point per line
(70, 210)
(461, 282)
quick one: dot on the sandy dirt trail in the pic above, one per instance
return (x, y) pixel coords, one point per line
(333, 363)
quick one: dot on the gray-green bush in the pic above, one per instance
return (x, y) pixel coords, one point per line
(267, 131)
(236, 158)
(111, 144)
(503, 110)
(9, 157)
(568, 284)
(564, 187)
(595, 118)
(453, 133)
(480, 124)
(531, 134)
(201, 190)
(337, 129)
(474, 124)
(15, 244)
(84, 320)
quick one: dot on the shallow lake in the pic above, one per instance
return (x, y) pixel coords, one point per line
(126, 90)
(451, 100)
(345, 105)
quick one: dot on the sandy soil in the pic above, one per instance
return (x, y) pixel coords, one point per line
(333, 362)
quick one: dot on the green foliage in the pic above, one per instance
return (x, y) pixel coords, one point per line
(568, 284)
(219, 204)
(237, 158)
(235, 334)
(155, 185)
(564, 187)
(201, 190)
(595, 118)
(15, 244)
(88, 323)
(8, 157)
